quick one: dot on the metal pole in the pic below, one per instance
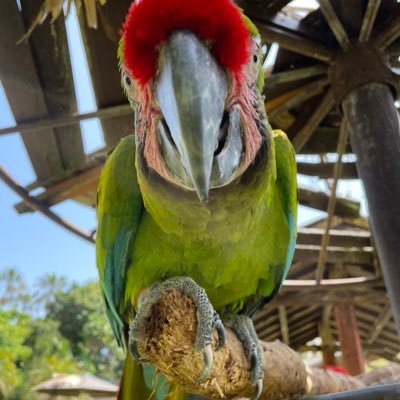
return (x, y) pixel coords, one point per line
(387, 392)
(375, 139)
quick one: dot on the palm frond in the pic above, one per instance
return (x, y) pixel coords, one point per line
(55, 9)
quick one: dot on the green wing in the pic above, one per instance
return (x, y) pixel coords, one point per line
(119, 209)
(286, 181)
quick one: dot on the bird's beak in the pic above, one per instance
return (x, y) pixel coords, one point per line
(191, 89)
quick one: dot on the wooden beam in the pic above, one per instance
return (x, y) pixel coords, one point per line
(327, 297)
(51, 54)
(337, 171)
(101, 47)
(273, 103)
(309, 127)
(87, 181)
(42, 124)
(334, 23)
(69, 188)
(293, 42)
(42, 208)
(295, 75)
(319, 200)
(389, 34)
(323, 140)
(384, 317)
(301, 312)
(325, 170)
(330, 284)
(311, 317)
(264, 8)
(349, 337)
(369, 20)
(387, 337)
(307, 252)
(328, 343)
(22, 86)
(284, 324)
(302, 94)
(340, 238)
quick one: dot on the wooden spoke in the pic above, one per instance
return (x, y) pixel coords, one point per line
(389, 34)
(380, 323)
(283, 321)
(295, 75)
(344, 133)
(334, 23)
(319, 114)
(295, 43)
(302, 94)
(368, 21)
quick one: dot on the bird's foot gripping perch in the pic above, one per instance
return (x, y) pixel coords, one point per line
(244, 329)
(207, 319)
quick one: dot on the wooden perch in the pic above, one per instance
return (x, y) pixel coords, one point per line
(170, 334)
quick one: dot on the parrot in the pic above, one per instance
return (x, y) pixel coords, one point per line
(202, 198)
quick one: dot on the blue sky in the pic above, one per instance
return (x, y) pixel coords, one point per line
(32, 243)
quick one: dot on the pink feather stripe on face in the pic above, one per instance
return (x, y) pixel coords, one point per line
(150, 22)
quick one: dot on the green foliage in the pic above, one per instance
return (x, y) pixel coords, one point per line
(52, 327)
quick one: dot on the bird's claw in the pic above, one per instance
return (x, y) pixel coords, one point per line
(133, 348)
(208, 357)
(244, 328)
(259, 389)
(207, 318)
(219, 327)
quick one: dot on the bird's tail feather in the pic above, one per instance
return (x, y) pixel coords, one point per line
(141, 382)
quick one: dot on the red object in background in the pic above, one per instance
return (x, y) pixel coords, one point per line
(339, 370)
(150, 22)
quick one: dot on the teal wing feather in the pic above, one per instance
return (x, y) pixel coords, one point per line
(284, 205)
(119, 209)
(286, 181)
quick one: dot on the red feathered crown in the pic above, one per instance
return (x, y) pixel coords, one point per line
(150, 22)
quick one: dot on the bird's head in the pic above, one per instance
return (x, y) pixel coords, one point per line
(192, 71)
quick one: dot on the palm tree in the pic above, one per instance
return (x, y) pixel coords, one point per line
(47, 287)
(13, 289)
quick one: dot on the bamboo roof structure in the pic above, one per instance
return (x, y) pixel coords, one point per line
(336, 261)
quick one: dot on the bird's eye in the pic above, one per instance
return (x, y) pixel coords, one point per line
(126, 80)
(255, 58)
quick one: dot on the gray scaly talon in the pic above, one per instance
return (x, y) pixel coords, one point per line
(244, 328)
(207, 318)
(259, 388)
(208, 364)
(133, 349)
(219, 327)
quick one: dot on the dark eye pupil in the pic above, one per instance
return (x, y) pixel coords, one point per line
(128, 80)
(255, 58)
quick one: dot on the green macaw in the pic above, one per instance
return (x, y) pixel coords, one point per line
(203, 198)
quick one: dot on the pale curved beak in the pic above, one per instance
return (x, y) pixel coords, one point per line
(191, 89)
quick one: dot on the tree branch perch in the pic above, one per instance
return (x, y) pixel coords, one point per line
(170, 335)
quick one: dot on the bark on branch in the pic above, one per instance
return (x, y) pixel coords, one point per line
(170, 334)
